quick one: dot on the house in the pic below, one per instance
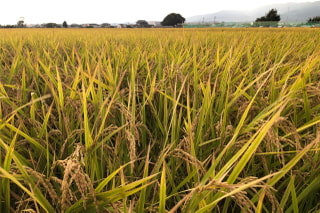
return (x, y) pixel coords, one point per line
(155, 23)
(105, 25)
(94, 25)
(75, 26)
(30, 25)
(122, 26)
(131, 26)
(90, 25)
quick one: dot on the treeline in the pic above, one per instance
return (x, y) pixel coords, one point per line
(314, 19)
(172, 20)
(46, 25)
(273, 16)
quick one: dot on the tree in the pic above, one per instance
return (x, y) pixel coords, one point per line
(272, 16)
(173, 19)
(314, 19)
(64, 24)
(20, 23)
(51, 25)
(142, 23)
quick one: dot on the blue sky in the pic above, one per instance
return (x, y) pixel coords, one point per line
(116, 11)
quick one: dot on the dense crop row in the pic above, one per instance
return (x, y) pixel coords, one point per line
(160, 120)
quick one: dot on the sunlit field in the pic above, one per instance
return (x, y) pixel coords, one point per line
(160, 120)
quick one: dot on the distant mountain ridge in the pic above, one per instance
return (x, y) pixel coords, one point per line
(290, 12)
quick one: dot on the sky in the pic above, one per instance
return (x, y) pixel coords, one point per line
(116, 11)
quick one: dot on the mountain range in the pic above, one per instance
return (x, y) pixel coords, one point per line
(289, 12)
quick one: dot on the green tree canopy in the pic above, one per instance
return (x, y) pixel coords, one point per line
(20, 23)
(51, 25)
(64, 24)
(271, 16)
(173, 19)
(314, 19)
(142, 23)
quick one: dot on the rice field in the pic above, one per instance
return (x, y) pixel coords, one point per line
(165, 120)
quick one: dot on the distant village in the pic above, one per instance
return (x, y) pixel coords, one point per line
(172, 20)
(138, 24)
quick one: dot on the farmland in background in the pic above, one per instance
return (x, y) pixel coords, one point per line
(157, 120)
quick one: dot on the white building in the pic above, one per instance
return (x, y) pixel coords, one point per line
(155, 23)
(122, 26)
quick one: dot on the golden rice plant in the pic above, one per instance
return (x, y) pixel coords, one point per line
(159, 120)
